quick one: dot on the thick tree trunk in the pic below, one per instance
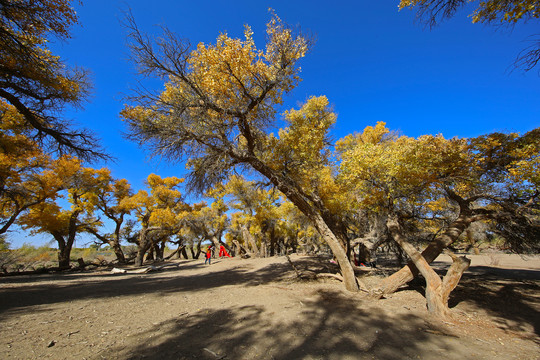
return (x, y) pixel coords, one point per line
(453, 275)
(184, 253)
(64, 254)
(272, 241)
(434, 293)
(347, 271)
(65, 244)
(248, 238)
(430, 253)
(263, 250)
(195, 255)
(150, 253)
(142, 247)
(115, 242)
(315, 210)
(118, 252)
(437, 291)
(159, 250)
(240, 247)
(64, 250)
(139, 259)
(215, 241)
(364, 254)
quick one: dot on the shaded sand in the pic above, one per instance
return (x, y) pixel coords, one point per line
(258, 309)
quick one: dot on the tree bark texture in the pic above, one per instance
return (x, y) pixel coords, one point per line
(240, 248)
(347, 271)
(315, 211)
(430, 253)
(453, 275)
(434, 293)
(249, 239)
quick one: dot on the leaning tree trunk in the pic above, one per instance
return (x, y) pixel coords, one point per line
(314, 210)
(248, 238)
(195, 255)
(349, 278)
(453, 275)
(242, 248)
(437, 291)
(430, 253)
(215, 241)
(182, 251)
(118, 252)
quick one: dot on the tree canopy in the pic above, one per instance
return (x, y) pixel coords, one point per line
(37, 83)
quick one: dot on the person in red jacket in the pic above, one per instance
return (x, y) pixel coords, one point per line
(208, 258)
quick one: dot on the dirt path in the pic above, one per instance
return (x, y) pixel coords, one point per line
(257, 309)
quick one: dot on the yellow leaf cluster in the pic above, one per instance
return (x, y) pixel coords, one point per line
(163, 206)
(302, 149)
(492, 10)
(81, 184)
(383, 170)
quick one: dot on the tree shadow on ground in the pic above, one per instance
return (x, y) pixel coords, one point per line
(75, 273)
(49, 290)
(510, 296)
(331, 326)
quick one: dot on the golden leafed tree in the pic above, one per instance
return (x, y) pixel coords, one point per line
(37, 83)
(219, 104)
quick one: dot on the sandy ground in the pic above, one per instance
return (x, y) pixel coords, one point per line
(259, 309)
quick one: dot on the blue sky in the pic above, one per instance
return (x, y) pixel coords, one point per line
(373, 62)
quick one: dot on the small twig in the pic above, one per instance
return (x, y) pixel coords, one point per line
(298, 273)
(215, 355)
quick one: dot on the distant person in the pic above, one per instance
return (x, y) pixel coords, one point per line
(223, 252)
(208, 258)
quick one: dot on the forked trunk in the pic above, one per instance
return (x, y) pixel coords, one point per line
(63, 259)
(118, 252)
(159, 251)
(142, 248)
(453, 275)
(115, 242)
(241, 248)
(182, 251)
(64, 250)
(196, 254)
(437, 291)
(430, 253)
(251, 241)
